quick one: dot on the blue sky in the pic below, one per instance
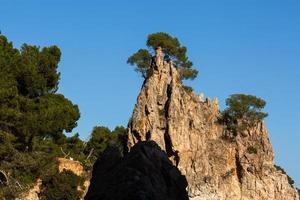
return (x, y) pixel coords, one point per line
(249, 46)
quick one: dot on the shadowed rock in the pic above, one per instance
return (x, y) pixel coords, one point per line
(145, 173)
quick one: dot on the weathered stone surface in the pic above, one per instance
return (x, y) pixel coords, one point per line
(71, 165)
(186, 127)
(145, 173)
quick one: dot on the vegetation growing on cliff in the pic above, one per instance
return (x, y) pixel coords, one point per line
(290, 180)
(34, 117)
(173, 51)
(64, 185)
(243, 111)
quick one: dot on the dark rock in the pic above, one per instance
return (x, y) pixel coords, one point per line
(145, 173)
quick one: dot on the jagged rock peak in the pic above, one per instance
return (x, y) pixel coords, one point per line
(186, 127)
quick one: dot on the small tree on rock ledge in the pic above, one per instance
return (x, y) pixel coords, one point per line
(243, 111)
(173, 51)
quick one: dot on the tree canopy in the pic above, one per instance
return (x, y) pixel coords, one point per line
(243, 111)
(33, 119)
(101, 137)
(29, 104)
(172, 49)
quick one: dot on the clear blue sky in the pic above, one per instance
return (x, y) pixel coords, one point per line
(249, 46)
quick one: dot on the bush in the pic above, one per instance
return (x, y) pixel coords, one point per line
(290, 180)
(6, 145)
(188, 89)
(60, 186)
(252, 150)
(23, 169)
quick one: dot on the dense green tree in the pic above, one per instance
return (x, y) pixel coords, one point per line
(119, 138)
(102, 137)
(245, 106)
(142, 60)
(172, 49)
(6, 145)
(33, 118)
(64, 185)
(37, 72)
(243, 111)
(29, 105)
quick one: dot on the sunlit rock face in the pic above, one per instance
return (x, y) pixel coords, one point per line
(185, 126)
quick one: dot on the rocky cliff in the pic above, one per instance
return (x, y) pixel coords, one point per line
(217, 165)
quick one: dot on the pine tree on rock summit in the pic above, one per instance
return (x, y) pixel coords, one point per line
(172, 50)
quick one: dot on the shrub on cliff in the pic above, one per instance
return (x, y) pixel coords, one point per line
(62, 185)
(290, 180)
(243, 111)
(172, 49)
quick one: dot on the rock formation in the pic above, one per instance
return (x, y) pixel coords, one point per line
(145, 173)
(71, 165)
(216, 165)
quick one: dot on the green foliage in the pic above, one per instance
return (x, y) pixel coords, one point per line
(290, 180)
(37, 71)
(29, 106)
(243, 111)
(9, 192)
(188, 89)
(172, 49)
(142, 59)
(22, 168)
(6, 145)
(72, 146)
(251, 150)
(245, 106)
(99, 140)
(102, 137)
(62, 185)
(33, 118)
(25, 167)
(119, 138)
